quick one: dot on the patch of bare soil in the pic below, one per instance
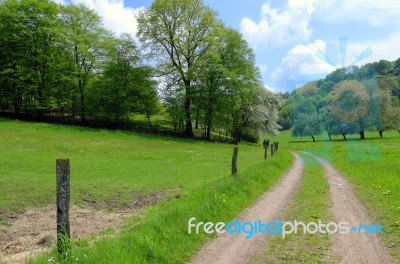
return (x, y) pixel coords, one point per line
(353, 247)
(33, 232)
(271, 206)
(135, 200)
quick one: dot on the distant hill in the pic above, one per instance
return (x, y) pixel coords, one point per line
(349, 100)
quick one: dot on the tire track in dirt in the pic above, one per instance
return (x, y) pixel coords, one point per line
(271, 206)
(352, 247)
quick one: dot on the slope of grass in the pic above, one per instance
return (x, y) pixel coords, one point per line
(110, 165)
(105, 165)
(372, 166)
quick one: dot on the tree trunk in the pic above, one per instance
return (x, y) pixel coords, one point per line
(362, 134)
(16, 109)
(187, 106)
(237, 136)
(148, 118)
(344, 136)
(197, 119)
(330, 137)
(313, 138)
(82, 102)
(41, 89)
(208, 133)
(209, 118)
(40, 100)
(381, 133)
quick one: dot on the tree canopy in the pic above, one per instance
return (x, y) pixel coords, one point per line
(349, 100)
(59, 60)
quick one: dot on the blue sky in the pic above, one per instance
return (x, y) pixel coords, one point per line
(288, 35)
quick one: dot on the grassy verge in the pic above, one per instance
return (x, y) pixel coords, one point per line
(161, 235)
(309, 205)
(372, 166)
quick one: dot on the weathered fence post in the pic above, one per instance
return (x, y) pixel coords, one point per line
(272, 149)
(265, 152)
(234, 160)
(63, 230)
(265, 145)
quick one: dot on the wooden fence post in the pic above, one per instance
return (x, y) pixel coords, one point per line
(265, 152)
(234, 160)
(63, 228)
(272, 149)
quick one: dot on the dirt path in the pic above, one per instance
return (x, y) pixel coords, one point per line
(270, 207)
(353, 247)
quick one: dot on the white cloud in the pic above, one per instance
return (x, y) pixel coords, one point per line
(116, 16)
(383, 49)
(280, 26)
(269, 88)
(300, 61)
(365, 11)
(292, 23)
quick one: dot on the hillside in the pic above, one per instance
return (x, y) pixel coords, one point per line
(348, 101)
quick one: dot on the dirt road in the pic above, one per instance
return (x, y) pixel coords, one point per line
(236, 248)
(352, 247)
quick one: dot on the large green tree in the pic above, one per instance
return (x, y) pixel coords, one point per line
(228, 74)
(124, 87)
(177, 33)
(87, 42)
(30, 35)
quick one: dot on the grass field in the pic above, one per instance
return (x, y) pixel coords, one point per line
(372, 166)
(112, 168)
(105, 165)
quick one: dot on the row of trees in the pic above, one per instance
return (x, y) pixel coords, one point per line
(60, 59)
(348, 101)
(57, 59)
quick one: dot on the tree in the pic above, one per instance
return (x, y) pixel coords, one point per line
(124, 87)
(284, 115)
(227, 70)
(307, 124)
(356, 102)
(176, 32)
(30, 34)
(86, 40)
(304, 114)
(396, 67)
(389, 113)
(383, 67)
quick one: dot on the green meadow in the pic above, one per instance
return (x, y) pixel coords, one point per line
(106, 165)
(114, 168)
